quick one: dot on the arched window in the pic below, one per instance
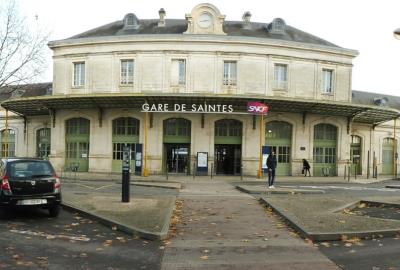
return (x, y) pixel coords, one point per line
(278, 130)
(125, 132)
(76, 126)
(177, 127)
(7, 143)
(43, 142)
(228, 127)
(325, 132)
(125, 126)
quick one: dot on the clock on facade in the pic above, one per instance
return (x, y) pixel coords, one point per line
(205, 20)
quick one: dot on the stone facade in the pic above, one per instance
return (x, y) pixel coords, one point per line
(204, 47)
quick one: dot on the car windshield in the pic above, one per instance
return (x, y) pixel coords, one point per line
(29, 169)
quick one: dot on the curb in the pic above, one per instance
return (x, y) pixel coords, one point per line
(393, 186)
(123, 227)
(280, 191)
(334, 236)
(151, 184)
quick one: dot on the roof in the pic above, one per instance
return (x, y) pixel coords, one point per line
(45, 105)
(179, 26)
(26, 90)
(368, 98)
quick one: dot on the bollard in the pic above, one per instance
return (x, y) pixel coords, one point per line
(348, 176)
(166, 171)
(194, 169)
(355, 172)
(345, 172)
(241, 172)
(126, 163)
(212, 170)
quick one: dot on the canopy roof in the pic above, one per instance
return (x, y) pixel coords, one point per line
(43, 105)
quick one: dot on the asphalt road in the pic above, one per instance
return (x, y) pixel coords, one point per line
(106, 187)
(29, 239)
(373, 254)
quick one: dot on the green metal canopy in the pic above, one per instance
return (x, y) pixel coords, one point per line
(44, 105)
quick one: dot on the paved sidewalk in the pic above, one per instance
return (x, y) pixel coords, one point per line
(146, 215)
(222, 228)
(113, 177)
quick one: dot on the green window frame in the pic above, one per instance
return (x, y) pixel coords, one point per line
(118, 149)
(228, 127)
(325, 132)
(126, 126)
(7, 143)
(43, 145)
(77, 126)
(177, 127)
(278, 130)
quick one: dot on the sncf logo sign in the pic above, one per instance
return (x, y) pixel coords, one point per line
(257, 108)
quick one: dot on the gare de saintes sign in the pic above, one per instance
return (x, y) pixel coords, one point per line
(252, 108)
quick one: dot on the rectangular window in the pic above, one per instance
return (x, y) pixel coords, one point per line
(327, 81)
(79, 74)
(280, 76)
(178, 72)
(127, 72)
(230, 73)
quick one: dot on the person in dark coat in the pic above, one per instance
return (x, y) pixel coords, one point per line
(306, 167)
(271, 164)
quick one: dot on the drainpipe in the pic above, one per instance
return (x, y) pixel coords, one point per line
(145, 170)
(260, 173)
(6, 136)
(394, 151)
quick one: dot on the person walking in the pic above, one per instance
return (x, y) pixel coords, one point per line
(306, 167)
(271, 164)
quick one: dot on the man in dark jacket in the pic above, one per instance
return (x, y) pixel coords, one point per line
(271, 164)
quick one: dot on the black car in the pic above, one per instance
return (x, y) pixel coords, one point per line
(28, 182)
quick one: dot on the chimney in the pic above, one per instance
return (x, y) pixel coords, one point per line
(246, 20)
(162, 13)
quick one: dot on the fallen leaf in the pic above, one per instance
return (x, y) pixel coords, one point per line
(362, 205)
(205, 257)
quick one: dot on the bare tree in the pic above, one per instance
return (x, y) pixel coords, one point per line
(22, 50)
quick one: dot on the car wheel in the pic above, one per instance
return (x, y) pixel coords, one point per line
(54, 210)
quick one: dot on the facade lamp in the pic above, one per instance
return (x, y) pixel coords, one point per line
(396, 33)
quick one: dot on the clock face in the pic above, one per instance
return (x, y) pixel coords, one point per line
(205, 20)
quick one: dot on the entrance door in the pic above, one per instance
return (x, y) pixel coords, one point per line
(228, 158)
(387, 156)
(177, 157)
(278, 137)
(325, 141)
(283, 158)
(77, 144)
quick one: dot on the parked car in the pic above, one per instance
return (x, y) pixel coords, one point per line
(27, 182)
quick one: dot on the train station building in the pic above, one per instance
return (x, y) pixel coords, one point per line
(189, 96)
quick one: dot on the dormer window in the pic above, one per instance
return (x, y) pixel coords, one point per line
(17, 93)
(131, 21)
(278, 26)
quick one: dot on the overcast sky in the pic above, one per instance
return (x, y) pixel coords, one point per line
(366, 26)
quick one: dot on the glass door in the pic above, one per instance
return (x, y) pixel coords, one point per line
(177, 158)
